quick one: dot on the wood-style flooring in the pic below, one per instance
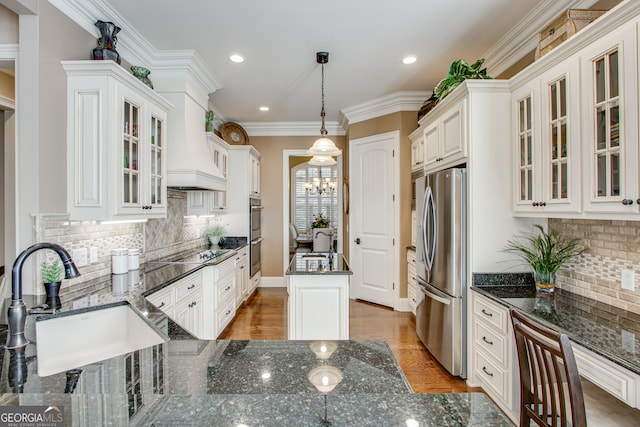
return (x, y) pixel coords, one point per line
(264, 317)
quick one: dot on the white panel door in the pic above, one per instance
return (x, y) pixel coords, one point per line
(373, 225)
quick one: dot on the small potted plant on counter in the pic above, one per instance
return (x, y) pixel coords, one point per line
(52, 279)
(545, 253)
(215, 232)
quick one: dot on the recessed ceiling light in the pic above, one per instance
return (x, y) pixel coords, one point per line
(264, 108)
(236, 58)
(409, 60)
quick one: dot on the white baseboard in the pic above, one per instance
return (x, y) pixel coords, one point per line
(403, 305)
(273, 282)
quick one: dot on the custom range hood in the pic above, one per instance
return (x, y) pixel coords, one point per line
(185, 81)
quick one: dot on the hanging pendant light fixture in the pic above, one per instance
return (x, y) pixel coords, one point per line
(323, 146)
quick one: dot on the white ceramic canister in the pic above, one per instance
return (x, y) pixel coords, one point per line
(120, 261)
(134, 259)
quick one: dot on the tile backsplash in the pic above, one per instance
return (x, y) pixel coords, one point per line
(611, 246)
(157, 238)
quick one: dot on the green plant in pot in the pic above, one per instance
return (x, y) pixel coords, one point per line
(460, 71)
(52, 274)
(545, 253)
(216, 232)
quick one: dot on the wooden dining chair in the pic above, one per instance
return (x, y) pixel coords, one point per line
(550, 389)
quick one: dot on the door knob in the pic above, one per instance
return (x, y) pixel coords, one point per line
(357, 240)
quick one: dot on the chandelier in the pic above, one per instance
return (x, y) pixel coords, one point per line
(320, 186)
(323, 145)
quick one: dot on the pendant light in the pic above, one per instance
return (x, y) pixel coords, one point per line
(323, 146)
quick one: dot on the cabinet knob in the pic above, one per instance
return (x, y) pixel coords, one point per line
(638, 201)
(627, 202)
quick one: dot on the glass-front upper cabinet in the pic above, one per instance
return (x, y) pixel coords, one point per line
(116, 144)
(610, 116)
(547, 163)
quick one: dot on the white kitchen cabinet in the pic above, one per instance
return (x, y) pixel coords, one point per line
(493, 361)
(164, 300)
(219, 150)
(417, 149)
(445, 139)
(244, 179)
(610, 124)
(547, 143)
(202, 203)
(318, 307)
(242, 275)
(116, 144)
(412, 281)
(600, 64)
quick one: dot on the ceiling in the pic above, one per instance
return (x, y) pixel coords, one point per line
(366, 41)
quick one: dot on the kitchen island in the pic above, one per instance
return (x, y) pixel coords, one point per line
(318, 287)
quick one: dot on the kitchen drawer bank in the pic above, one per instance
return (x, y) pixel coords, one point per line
(602, 335)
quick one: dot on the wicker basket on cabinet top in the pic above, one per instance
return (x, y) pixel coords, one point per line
(566, 25)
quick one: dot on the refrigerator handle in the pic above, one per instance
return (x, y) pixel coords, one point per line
(429, 214)
(435, 297)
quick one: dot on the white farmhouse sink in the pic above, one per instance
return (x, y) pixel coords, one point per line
(81, 337)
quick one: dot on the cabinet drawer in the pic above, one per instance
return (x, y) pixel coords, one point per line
(223, 269)
(225, 315)
(186, 286)
(163, 299)
(612, 378)
(491, 313)
(493, 376)
(491, 342)
(411, 257)
(242, 253)
(225, 290)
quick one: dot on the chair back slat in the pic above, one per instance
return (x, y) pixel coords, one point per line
(550, 389)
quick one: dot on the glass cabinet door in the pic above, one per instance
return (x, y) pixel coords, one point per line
(525, 150)
(156, 146)
(558, 144)
(131, 152)
(606, 117)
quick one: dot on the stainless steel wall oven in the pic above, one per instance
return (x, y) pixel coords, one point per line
(255, 234)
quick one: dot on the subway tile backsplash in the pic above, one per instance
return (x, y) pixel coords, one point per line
(611, 246)
(157, 238)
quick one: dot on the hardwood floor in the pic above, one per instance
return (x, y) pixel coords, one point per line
(264, 317)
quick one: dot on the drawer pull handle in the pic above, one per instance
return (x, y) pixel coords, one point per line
(161, 305)
(227, 313)
(487, 313)
(190, 305)
(487, 341)
(484, 368)
(191, 287)
(227, 288)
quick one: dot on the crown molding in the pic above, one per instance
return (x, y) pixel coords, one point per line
(388, 104)
(523, 37)
(291, 128)
(134, 47)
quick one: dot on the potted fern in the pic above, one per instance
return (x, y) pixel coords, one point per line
(52, 274)
(459, 71)
(215, 232)
(545, 253)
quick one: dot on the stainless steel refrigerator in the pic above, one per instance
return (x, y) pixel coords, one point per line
(441, 267)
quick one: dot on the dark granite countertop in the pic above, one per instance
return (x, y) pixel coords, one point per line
(606, 330)
(187, 381)
(318, 263)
